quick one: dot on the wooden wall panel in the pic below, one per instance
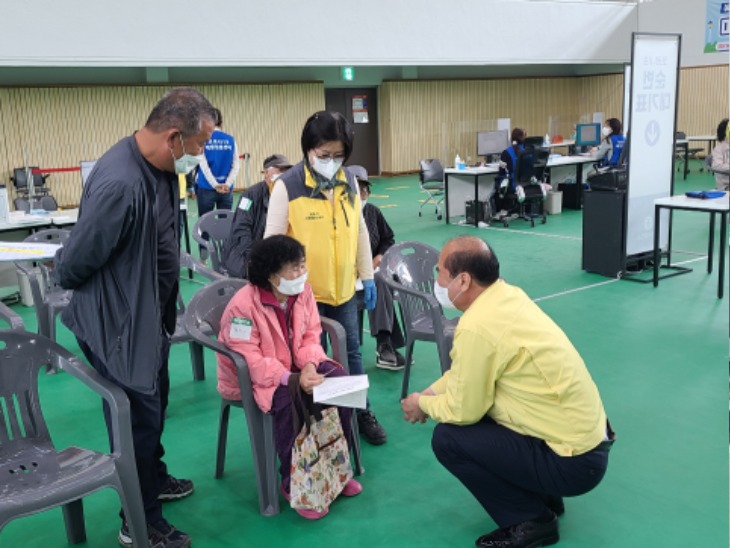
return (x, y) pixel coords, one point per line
(423, 119)
(59, 127)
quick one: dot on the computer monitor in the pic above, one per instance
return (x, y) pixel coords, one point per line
(492, 142)
(86, 167)
(587, 135)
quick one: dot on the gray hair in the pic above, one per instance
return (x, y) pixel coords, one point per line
(181, 108)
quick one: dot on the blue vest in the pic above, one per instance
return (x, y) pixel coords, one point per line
(617, 142)
(219, 152)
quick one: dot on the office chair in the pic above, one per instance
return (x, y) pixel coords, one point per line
(431, 179)
(526, 191)
(202, 321)
(20, 181)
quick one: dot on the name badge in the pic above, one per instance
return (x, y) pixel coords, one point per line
(245, 203)
(241, 329)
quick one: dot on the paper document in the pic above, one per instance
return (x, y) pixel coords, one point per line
(27, 251)
(350, 391)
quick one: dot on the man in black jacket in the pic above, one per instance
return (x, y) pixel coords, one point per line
(123, 262)
(382, 319)
(249, 221)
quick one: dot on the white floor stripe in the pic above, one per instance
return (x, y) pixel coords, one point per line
(577, 289)
(528, 233)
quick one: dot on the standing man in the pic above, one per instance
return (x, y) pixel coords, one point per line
(123, 262)
(382, 320)
(521, 422)
(249, 220)
(217, 172)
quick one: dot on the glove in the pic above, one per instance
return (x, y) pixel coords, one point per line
(371, 293)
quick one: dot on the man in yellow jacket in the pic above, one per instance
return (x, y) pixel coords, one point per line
(521, 420)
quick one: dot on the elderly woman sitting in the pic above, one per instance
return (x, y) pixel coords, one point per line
(273, 322)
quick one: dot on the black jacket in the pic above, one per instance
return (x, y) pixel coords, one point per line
(110, 261)
(249, 223)
(381, 235)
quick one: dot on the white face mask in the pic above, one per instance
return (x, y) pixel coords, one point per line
(442, 295)
(187, 162)
(363, 203)
(606, 131)
(292, 287)
(327, 167)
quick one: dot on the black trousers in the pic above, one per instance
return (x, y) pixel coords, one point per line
(148, 421)
(509, 473)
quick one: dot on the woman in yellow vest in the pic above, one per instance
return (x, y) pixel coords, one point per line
(317, 202)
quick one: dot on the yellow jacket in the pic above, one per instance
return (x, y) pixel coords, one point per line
(331, 229)
(512, 362)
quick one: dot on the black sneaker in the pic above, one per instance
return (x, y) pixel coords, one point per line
(387, 358)
(370, 428)
(174, 489)
(161, 535)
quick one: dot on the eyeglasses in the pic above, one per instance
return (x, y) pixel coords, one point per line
(329, 156)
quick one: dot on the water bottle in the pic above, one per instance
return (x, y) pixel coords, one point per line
(4, 205)
(546, 140)
(457, 161)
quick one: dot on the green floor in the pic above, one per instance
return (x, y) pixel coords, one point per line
(659, 357)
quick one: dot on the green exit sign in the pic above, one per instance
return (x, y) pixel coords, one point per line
(348, 74)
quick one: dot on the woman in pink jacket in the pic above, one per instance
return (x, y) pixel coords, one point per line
(273, 322)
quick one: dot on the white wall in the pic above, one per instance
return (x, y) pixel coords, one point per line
(686, 17)
(152, 33)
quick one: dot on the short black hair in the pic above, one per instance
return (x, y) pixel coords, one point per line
(270, 255)
(218, 117)
(326, 126)
(615, 125)
(181, 108)
(722, 130)
(480, 264)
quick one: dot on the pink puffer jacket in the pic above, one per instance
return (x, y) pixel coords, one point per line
(252, 329)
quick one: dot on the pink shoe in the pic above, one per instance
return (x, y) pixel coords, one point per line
(352, 488)
(306, 514)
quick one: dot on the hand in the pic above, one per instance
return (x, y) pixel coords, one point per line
(309, 378)
(376, 261)
(371, 294)
(411, 410)
(222, 189)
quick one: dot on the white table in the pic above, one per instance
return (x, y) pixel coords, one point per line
(684, 144)
(461, 185)
(572, 194)
(681, 202)
(567, 143)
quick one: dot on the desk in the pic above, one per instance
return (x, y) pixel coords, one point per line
(713, 207)
(63, 218)
(684, 145)
(572, 194)
(566, 143)
(459, 184)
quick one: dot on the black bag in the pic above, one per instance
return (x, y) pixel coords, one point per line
(612, 179)
(483, 212)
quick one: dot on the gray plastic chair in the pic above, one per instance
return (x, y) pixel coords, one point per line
(211, 232)
(181, 334)
(408, 269)
(12, 318)
(34, 476)
(202, 320)
(49, 299)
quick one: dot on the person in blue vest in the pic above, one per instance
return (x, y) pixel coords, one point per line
(217, 171)
(609, 151)
(504, 183)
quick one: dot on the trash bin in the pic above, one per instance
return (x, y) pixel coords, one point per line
(554, 202)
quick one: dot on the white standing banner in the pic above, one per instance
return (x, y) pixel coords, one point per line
(627, 98)
(653, 112)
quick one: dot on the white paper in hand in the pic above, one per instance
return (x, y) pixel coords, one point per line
(350, 391)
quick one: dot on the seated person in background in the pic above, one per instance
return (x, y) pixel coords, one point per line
(383, 322)
(609, 151)
(249, 221)
(504, 182)
(520, 420)
(720, 157)
(273, 322)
